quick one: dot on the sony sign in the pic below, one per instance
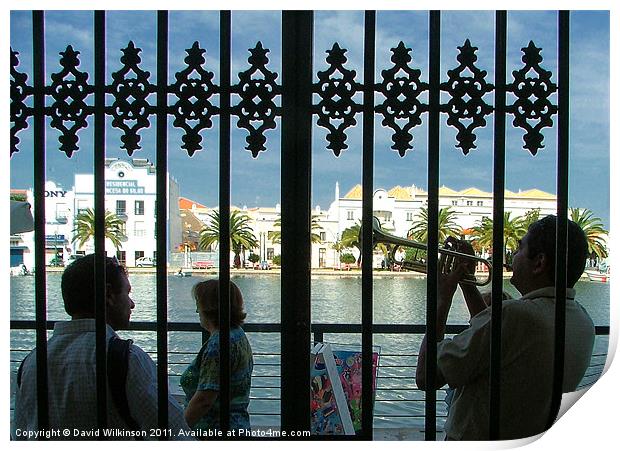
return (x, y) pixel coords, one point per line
(57, 193)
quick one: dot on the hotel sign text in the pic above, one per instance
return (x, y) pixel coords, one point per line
(123, 187)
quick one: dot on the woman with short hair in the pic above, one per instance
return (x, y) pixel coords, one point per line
(201, 380)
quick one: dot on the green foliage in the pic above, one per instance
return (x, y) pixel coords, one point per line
(18, 197)
(530, 217)
(350, 238)
(315, 230)
(241, 234)
(514, 230)
(446, 222)
(347, 258)
(85, 228)
(253, 258)
(593, 228)
(277, 260)
(414, 254)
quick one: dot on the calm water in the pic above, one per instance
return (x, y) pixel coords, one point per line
(397, 300)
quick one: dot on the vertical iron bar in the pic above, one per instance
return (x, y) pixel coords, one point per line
(297, 29)
(433, 220)
(499, 180)
(38, 65)
(562, 211)
(367, 209)
(224, 307)
(162, 213)
(99, 200)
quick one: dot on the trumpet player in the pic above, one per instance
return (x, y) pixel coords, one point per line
(527, 348)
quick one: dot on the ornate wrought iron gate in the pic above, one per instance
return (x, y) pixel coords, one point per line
(72, 100)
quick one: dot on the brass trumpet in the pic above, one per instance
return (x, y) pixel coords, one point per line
(449, 257)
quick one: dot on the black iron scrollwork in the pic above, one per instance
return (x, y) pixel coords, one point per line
(467, 87)
(401, 108)
(257, 88)
(257, 110)
(19, 111)
(532, 110)
(336, 110)
(131, 109)
(193, 111)
(69, 90)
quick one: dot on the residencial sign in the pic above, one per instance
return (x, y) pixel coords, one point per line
(129, 187)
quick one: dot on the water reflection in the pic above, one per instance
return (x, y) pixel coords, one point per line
(396, 300)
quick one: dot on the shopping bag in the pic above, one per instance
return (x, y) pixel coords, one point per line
(328, 404)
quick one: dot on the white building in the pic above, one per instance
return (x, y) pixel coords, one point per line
(130, 193)
(58, 228)
(397, 208)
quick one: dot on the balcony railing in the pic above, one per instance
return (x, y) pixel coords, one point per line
(395, 377)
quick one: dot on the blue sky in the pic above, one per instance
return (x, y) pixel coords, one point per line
(256, 182)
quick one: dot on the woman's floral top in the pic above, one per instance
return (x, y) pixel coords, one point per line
(204, 374)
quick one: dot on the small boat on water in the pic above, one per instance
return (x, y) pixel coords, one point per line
(597, 276)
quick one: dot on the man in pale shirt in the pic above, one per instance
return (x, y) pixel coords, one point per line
(72, 369)
(528, 338)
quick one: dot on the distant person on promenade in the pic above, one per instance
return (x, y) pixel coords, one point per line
(528, 336)
(72, 368)
(201, 380)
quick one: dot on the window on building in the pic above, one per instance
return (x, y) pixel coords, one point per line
(470, 203)
(270, 253)
(322, 257)
(139, 207)
(479, 203)
(121, 207)
(122, 227)
(82, 205)
(409, 216)
(455, 203)
(350, 215)
(323, 236)
(62, 212)
(120, 256)
(139, 229)
(139, 254)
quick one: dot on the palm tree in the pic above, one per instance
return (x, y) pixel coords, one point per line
(241, 234)
(446, 221)
(85, 228)
(530, 217)
(315, 230)
(350, 238)
(514, 229)
(593, 228)
(338, 247)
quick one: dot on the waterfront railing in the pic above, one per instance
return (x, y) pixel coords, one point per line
(399, 404)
